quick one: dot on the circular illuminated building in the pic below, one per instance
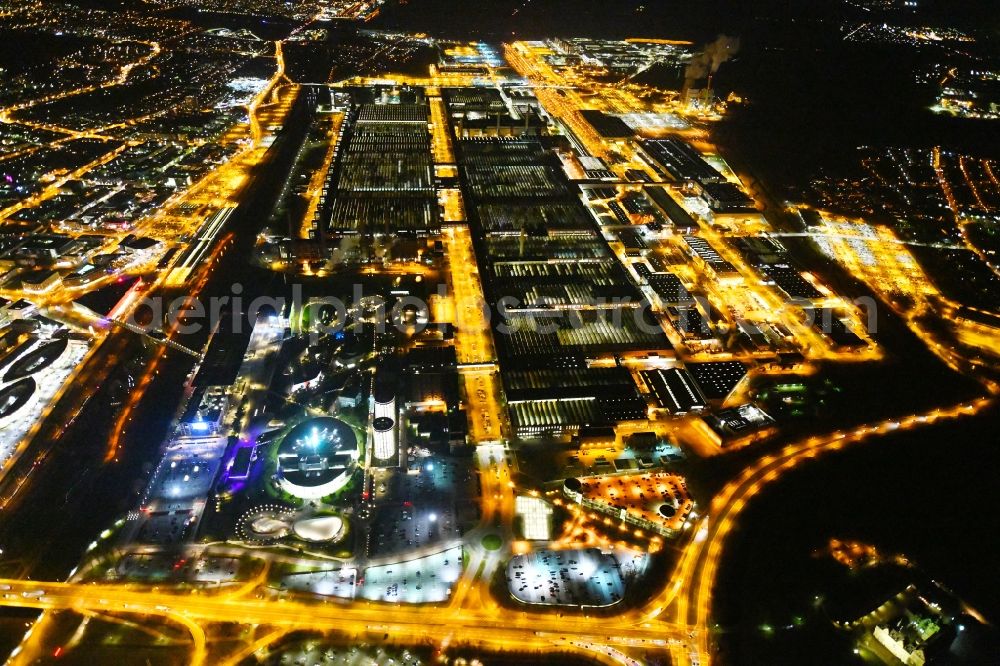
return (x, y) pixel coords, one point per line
(316, 458)
(328, 529)
(266, 524)
(15, 396)
(37, 360)
(668, 511)
(269, 528)
(384, 429)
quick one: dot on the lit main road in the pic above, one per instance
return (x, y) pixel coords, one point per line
(961, 221)
(498, 500)
(6, 115)
(333, 132)
(221, 187)
(256, 133)
(692, 583)
(497, 505)
(55, 187)
(875, 256)
(441, 144)
(474, 340)
(688, 593)
(602, 638)
(676, 621)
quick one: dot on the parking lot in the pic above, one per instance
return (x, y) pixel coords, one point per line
(410, 526)
(585, 577)
(424, 580)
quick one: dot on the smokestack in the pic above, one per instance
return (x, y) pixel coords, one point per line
(697, 68)
(707, 63)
